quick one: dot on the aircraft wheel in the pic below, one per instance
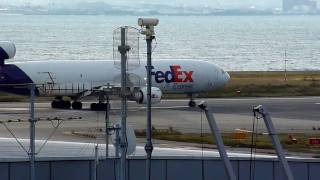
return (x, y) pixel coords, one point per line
(192, 104)
(55, 104)
(93, 106)
(66, 104)
(60, 104)
(77, 105)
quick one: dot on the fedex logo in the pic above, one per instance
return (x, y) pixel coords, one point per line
(174, 75)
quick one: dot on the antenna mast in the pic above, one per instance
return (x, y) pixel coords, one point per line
(147, 25)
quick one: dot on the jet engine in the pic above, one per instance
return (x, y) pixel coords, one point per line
(141, 95)
(7, 51)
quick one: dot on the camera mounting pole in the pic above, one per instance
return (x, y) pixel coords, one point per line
(147, 25)
(32, 133)
(123, 49)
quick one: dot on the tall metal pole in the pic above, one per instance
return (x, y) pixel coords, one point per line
(285, 66)
(32, 134)
(217, 136)
(275, 141)
(117, 128)
(96, 162)
(149, 146)
(123, 144)
(107, 127)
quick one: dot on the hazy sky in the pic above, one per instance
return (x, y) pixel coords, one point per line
(210, 3)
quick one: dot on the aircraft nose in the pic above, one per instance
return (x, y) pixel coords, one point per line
(226, 77)
(221, 78)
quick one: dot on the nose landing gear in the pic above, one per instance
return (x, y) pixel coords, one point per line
(191, 103)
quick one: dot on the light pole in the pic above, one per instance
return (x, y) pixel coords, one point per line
(285, 66)
(148, 30)
(32, 133)
(123, 49)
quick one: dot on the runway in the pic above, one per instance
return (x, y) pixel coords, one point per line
(297, 114)
(290, 115)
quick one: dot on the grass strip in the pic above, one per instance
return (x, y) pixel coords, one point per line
(265, 84)
(261, 141)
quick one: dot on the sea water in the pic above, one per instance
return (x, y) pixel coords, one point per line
(233, 42)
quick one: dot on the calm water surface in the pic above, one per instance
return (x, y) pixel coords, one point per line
(234, 43)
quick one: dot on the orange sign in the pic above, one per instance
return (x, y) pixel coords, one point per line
(240, 135)
(314, 141)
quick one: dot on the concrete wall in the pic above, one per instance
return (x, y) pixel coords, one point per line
(162, 169)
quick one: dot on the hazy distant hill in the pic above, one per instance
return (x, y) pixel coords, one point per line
(261, 4)
(76, 7)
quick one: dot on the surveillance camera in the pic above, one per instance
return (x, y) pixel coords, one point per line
(148, 22)
(203, 105)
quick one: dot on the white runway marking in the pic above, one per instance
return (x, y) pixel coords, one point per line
(242, 99)
(14, 109)
(265, 98)
(168, 107)
(154, 107)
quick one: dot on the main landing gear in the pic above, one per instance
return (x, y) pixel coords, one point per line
(59, 103)
(77, 105)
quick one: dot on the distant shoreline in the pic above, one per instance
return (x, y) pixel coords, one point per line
(155, 14)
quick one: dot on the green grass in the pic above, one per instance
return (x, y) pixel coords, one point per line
(6, 97)
(260, 141)
(266, 84)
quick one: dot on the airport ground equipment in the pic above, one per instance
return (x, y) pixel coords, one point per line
(123, 49)
(128, 47)
(114, 90)
(261, 110)
(32, 120)
(147, 25)
(217, 136)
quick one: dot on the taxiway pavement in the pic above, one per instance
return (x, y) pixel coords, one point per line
(290, 115)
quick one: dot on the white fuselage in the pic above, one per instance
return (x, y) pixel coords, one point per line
(70, 77)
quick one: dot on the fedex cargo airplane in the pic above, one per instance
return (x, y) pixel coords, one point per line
(79, 78)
